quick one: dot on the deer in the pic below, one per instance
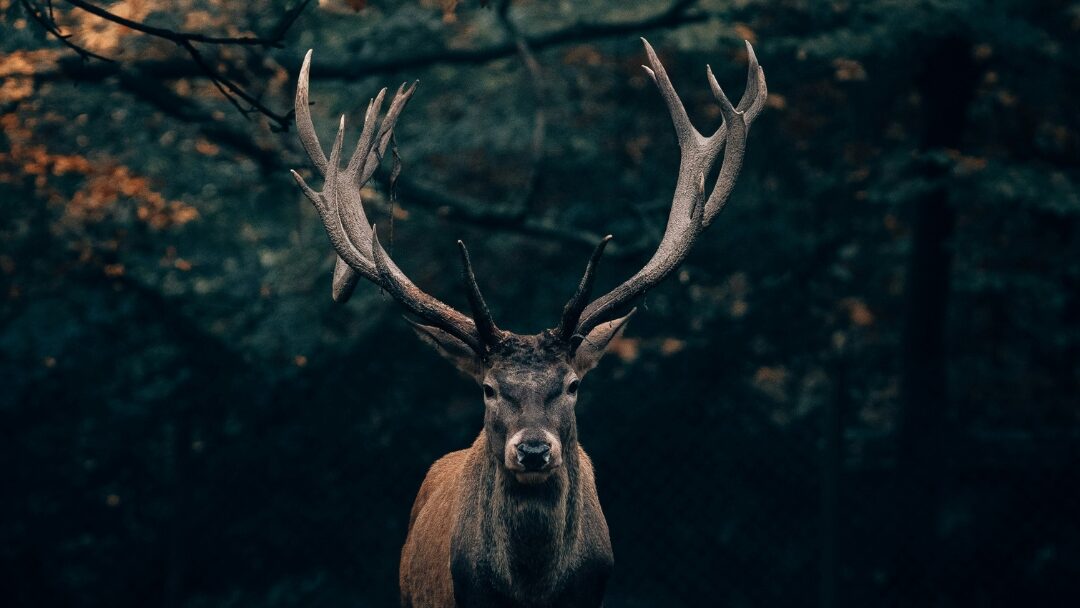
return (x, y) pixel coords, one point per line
(514, 520)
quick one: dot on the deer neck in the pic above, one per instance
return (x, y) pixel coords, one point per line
(532, 529)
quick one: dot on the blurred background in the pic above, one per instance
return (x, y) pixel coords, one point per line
(860, 390)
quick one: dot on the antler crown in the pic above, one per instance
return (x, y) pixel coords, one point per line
(359, 253)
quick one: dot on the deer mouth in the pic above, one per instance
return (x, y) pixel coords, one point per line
(531, 478)
(527, 473)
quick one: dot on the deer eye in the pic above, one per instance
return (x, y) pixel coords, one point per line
(572, 387)
(489, 392)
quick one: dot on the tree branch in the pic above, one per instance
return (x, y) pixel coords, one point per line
(232, 92)
(351, 69)
(508, 219)
(48, 23)
(678, 13)
(178, 37)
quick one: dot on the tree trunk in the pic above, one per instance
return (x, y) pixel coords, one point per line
(946, 85)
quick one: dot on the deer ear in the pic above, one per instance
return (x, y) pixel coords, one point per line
(452, 349)
(593, 346)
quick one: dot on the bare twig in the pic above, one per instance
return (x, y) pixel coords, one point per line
(177, 37)
(186, 40)
(48, 23)
(288, 18)
(464, 210)
(232, 92)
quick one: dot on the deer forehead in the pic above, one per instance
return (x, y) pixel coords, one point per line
(530, 381)
(528, 355)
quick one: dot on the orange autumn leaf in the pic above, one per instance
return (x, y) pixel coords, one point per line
(105, 182)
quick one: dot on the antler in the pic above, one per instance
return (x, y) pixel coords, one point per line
(353, 236)
(690, 212)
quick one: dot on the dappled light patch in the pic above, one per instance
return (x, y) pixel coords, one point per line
(97, 34)
(626, 349)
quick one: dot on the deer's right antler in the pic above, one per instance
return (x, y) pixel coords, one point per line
(690, 212)
(354, 238)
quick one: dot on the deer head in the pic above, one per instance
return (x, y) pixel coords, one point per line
(530, 382)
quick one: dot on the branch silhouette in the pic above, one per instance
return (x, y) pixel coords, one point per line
(233, 92)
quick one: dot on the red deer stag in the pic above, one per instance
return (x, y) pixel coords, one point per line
(514, 520)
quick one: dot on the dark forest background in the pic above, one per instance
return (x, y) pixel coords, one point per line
(860, 390)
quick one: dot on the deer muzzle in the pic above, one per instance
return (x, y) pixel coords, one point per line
(533, 454)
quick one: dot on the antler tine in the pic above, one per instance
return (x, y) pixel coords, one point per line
(367, 134)
(333, 166)
(684, 129)
(485, 325)
(690, 211)
(734, 142)
(574, 307)
(421, 304)
(734, 131)
(304, 126)
(753, 99)
(344, 281)
(351, 218)
(386, 129)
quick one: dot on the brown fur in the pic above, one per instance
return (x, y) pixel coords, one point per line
(478, 539)
(425, 558)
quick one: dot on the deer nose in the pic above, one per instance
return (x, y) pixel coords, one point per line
(533, 455)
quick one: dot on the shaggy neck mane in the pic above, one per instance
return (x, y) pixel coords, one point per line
(531, 529)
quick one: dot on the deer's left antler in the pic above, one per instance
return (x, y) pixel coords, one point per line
(691, 212)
